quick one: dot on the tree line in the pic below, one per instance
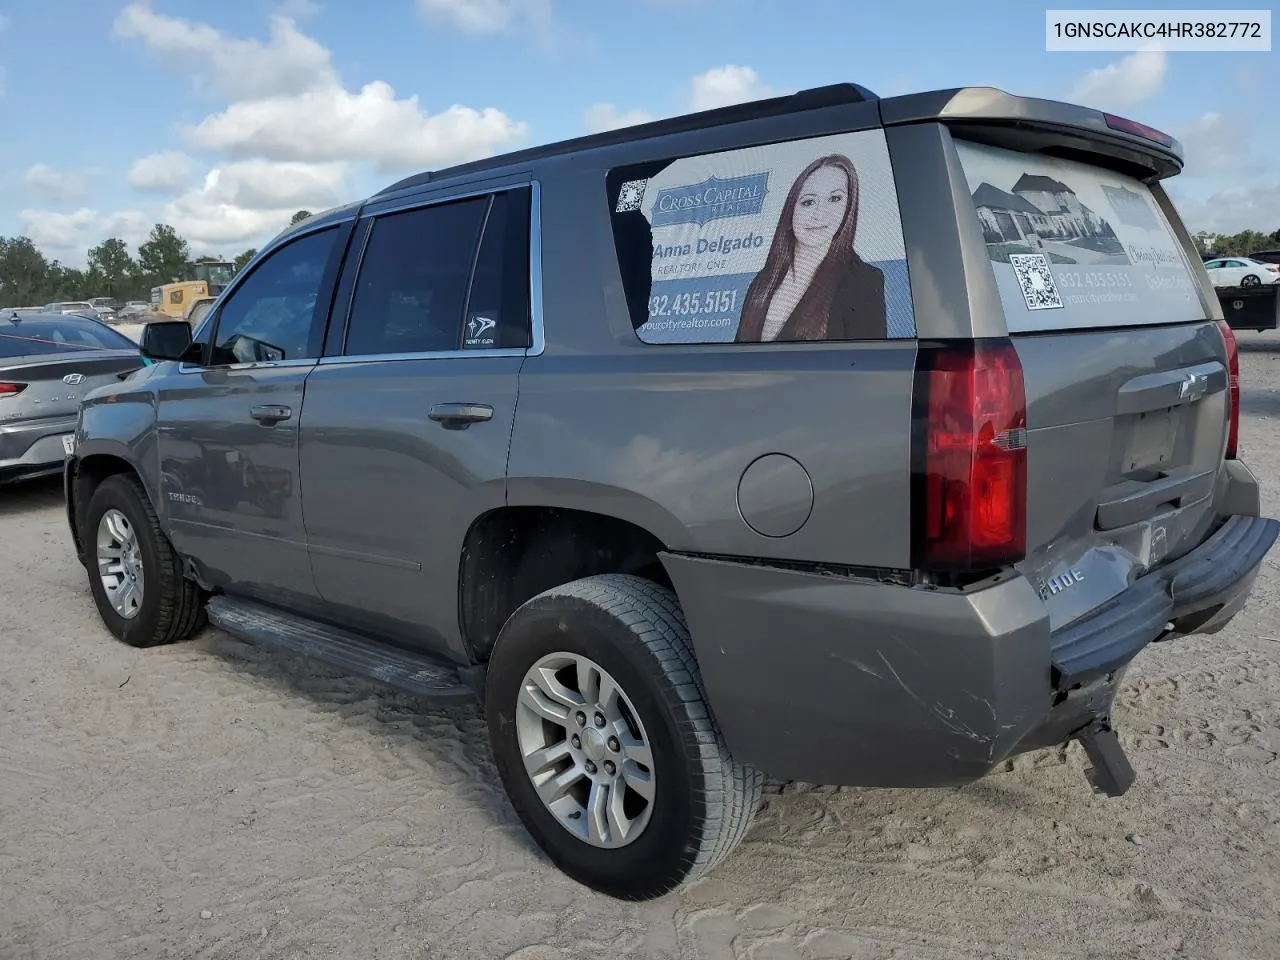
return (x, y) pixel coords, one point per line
(28, 278)
(1240, 244)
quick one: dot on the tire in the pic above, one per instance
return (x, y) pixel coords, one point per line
(703, 801)
(1252, 280)
(172, 607)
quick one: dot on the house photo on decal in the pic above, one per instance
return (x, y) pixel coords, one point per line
(1039, 214)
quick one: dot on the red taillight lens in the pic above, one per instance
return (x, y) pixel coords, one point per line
(970, 484)
(1233, 372)
(1125, 125)
(11, 389)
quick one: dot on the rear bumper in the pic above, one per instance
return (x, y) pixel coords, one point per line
(838, 680)
(32, 448)
(1197, 593)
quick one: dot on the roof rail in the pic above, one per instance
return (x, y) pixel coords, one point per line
(816, 98)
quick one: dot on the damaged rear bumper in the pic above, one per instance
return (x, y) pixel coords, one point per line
(840, 680)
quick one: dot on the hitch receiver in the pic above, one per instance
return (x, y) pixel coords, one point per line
(1109, 769)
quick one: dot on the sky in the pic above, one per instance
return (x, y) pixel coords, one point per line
(223, 118)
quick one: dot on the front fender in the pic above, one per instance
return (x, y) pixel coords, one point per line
(119, 426)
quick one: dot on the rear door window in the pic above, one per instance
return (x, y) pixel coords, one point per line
(789, 241)
(412, 287)
(1076, 246)
(441, 278)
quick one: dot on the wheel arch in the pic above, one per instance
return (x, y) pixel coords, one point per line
(93, 463)
(513, 553)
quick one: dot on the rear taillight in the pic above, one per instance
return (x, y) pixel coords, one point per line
(1134, 128)
(11, 389)
(1233, 384)
(969, 509)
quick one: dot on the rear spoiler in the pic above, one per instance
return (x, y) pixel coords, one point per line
(988, 115)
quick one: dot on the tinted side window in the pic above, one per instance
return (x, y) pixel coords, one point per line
(498, 308)
(412, 287)
(270, 315)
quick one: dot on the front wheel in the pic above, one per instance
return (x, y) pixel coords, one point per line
(134, 572)
(604, 741)
(1250, 281)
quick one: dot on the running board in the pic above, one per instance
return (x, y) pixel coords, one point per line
(416, 673)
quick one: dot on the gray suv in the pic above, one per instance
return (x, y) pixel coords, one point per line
(828, 437)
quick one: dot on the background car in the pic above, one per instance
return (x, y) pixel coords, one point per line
(105, 307)
(1241, 272)
(82, 307)
(1266, 256)
(47, 364)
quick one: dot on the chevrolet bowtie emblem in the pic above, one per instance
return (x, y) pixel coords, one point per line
(1193, 387)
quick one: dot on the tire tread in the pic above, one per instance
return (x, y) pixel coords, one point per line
(732, 790)
(181, 610)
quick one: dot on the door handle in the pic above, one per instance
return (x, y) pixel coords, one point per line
(459, 416)
(269, 414)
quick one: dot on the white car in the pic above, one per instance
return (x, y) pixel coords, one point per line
(1241, 272)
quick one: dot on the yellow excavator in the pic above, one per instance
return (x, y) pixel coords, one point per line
(199, 280)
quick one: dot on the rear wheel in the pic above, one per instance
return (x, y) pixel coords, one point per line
(604, 741)
(134, 573)
(1252, 280)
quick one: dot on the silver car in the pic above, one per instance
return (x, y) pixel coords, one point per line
(47, 364)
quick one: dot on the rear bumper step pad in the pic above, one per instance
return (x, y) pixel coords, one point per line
(1109, 769)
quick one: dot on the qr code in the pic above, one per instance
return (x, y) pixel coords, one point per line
(631, 196)
(1036, 280)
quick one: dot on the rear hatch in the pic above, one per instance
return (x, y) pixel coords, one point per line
(1125, 371)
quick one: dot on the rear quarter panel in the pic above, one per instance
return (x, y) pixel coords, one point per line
(661, 435)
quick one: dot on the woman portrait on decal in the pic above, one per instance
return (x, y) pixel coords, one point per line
(813, 285)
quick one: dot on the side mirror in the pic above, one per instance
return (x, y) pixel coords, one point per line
(165, 339)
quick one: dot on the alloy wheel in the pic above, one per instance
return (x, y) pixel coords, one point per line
(585, 750)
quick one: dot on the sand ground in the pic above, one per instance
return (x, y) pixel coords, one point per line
(215, 800)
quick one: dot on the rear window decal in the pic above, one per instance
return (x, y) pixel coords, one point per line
(785, 242)
(1036, 280)
(1086, 242)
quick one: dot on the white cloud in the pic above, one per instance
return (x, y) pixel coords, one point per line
(482, 17)
(717, 87)
(722, 86)
(161, 172)
(54, 184)
(336, 124)
(244, 201)
(471, 16)
(263, 183)
(605, 116)
(299, 9)
(68, 236)
(288, 62)
(288, 103)
(1217, 145)
(57, 231)
(1129, 81)
(1254, 207)
(896, 85)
